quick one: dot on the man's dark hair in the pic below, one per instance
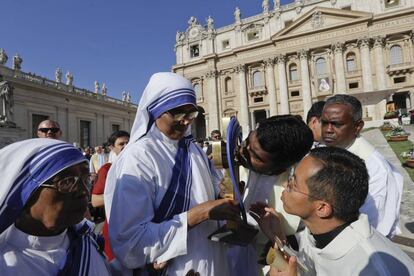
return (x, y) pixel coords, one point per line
(342, 181)
(115, 135)
(216, 131)
(351, 101)
(315, 111)
(286, 138)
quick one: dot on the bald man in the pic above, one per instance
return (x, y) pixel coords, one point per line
(49, 129)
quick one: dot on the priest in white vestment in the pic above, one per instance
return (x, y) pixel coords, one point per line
(341, 124)
(160, 199)
(326, 190)
(43, 198)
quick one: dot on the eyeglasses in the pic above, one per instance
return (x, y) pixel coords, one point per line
(179, 115)
(46, 129)
(290, 184)
(290, 187)
(69, 184)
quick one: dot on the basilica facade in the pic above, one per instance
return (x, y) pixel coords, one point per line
(289, 56)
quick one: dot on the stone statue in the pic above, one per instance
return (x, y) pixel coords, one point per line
(69, 78)
(210, 23)
(124, 96)
(237, 15)
(3, 57)
(276, 4)
(265, 6)
(58, 75)
(192, 21)
(128, 98)
(179, 36)
(6, 97)
(17, 62)
(96, 87)
(104, 89)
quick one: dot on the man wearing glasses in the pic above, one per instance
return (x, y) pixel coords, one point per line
(341, 124)
(326, 190)
(49, 129)
(160, 195)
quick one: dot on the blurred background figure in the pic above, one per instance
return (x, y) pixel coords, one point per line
(49, 129)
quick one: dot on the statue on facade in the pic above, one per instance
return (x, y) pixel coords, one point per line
(276, 4)
(265, 6)
(124, 96)
(3, 57)
(192, 21)
(58, 75)
(96, 87)
(179, 36)
(210, 23)
(104, 89)
(6, 97)
(17, 62)
(237, 15)
(69, 78)
(128, 98)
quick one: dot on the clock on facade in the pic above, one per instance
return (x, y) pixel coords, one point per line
(194, 32)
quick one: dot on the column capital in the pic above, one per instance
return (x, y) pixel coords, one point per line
(338, 47)
(211, 74)
(240, 68)
(303, 54)
(269, 61)
(281, 59)
(363, 42)
(379, 41)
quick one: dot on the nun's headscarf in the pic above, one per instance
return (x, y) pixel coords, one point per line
(24, 166)
(165, 91)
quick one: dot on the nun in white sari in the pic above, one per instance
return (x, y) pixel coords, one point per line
(159, 195)
(43, 198)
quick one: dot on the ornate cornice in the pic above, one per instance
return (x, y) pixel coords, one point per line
(240, 68)
(269, 62)
(363, 42)
(338, 47)
(212, 74)
(281, 59)
(379, 41)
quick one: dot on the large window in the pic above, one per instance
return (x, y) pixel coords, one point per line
(396, 55)
(36, 119)
(351, 62)
(258, 79)
(293, 72)
(115, 127)
(228, 85)
(194, 51)
(197, 90)
(321, 66)
(85, 134)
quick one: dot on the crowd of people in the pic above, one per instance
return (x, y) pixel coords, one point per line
(318, 193)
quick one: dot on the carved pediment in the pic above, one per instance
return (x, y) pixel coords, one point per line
(320, 18)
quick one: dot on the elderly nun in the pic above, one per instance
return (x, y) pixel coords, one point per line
(160, 195)
(43, 198)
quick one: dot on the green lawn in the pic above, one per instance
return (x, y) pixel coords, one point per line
(400, 147)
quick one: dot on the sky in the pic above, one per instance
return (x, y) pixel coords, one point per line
(117, 42)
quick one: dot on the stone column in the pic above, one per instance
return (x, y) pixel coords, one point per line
(380, 73)
(339, 68)
(379, 60)
(212, 100)
(244, 109)
(271, 85)
(284, 97)
(366, 72)
(306, 87)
